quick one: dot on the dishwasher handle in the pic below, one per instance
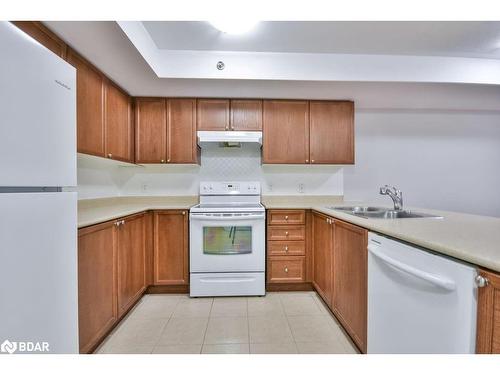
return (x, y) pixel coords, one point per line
(429, 277)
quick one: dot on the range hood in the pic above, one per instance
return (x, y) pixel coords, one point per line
(229, 138)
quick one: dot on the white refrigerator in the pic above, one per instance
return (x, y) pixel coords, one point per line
(38, 210)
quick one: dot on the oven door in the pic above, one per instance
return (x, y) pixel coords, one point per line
(227, 242)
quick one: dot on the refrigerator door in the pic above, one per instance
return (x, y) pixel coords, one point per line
(38, 270)
(38, 113)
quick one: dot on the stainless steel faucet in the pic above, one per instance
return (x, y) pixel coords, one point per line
(395, 194)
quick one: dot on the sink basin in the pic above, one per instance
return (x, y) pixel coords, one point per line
(359, 209)
(382, 213)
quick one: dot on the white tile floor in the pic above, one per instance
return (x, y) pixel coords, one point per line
(288, 322)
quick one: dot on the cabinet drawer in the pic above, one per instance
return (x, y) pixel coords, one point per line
(286, 248)
(286, 233)
(284, 217)
(284, 269)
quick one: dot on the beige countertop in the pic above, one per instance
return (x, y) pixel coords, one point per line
(93, 211)
(300, 201)
(471, 238)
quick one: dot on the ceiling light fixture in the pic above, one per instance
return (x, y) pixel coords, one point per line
(233, 26)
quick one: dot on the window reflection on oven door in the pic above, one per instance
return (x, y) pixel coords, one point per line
(227, 240)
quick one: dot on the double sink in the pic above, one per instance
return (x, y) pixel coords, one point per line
(369, 212)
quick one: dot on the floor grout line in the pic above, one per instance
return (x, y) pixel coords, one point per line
(206, 328)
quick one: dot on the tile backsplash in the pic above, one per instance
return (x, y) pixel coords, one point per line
(217, 164)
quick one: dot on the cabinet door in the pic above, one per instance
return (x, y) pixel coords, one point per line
(150, 130)
(322, 244)
(181, 124)
(131, 264)
(488, 315)
(350, 280)
(246, 115)
(286, 132)
(171, 248)
(332, 132)
(89, 106)
(97, 310)
(43, 35)
(213, 114)
(118, 124)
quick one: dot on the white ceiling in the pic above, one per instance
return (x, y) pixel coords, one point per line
(460, 39)
(117, 57)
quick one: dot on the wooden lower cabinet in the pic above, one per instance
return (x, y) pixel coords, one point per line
(97, 310)
(131, 261)
(350, 274)
(171, 247)
(488, 315)
(322, 248)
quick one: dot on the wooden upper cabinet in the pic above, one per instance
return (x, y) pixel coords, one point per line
(322, 249)
(246, 115)
(97, 311)
(332, 132)
(131, 261)
(171, 247)
(488, 315)
(118, 124)
(89, 106)
(213, 114)
(150, 130)
(44, 36)
(350, 278)
(285, 132)
(181, 125)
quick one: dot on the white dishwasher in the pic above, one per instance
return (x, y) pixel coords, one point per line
(418, 302)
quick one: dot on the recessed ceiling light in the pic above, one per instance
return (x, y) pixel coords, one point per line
(233, 26)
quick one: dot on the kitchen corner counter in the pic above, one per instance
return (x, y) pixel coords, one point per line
(94, 211)
(300, 201)
(471, 238)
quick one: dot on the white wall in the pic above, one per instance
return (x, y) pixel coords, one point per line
(217, 164)
(97, 177)
(441, 160)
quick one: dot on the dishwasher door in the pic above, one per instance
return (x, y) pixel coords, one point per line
(418, 302)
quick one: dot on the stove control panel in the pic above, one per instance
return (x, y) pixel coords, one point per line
(230, 188)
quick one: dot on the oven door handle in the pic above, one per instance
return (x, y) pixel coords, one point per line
(226, 217)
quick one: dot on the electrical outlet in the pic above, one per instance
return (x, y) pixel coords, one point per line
(144, 187)
(270, 187)
(301, 188)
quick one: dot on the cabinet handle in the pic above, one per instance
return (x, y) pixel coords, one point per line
(482, 281)
(286, 249)
(168, 160)
(286, 218)
(307, 160)
(110, 155)
(117, 224)
(312, 161)
(286, 233)
(286, 269)
(162, 160)
(183, 212)
(122, 222)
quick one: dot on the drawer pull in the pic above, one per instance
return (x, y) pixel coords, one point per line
(286, 249)
(286, 218)
(286, 269)
(286, 233)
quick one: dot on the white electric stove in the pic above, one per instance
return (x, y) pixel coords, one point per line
(227, 241)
